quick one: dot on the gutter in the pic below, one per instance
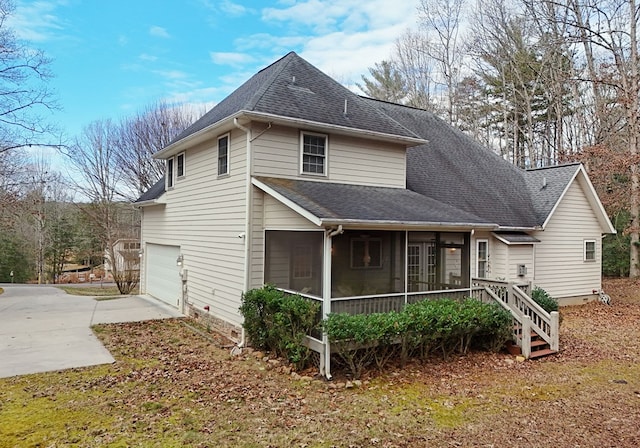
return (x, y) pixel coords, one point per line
(176, 147)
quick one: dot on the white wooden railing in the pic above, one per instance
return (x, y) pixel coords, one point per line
(528, 316)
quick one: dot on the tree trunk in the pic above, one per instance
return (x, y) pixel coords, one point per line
(634, 128)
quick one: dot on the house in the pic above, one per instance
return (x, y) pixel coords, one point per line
(126, 254)
(359, 204)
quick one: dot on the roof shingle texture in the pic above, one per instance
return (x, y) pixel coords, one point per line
(341, 202)
(293, 88)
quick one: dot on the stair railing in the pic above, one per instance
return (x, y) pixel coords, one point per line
(527, 314)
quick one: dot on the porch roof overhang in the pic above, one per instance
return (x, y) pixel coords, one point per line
(328, 204)
(512, 238)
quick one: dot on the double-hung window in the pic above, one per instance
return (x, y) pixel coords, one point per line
(589, 250)
(314, 153)
(482, 257)
(223, 155)
(170, 173)
(180, 165)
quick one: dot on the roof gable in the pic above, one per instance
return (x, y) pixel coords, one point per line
(549, 185)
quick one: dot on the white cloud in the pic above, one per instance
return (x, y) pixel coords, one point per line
(158, 31)
(147, 57)
(172, 75)
(233, 9)
(234, 59)
(36, 22)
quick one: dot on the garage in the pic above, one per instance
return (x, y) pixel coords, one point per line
(163, 274)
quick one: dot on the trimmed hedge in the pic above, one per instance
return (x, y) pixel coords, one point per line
(278, 323)
(421, 330)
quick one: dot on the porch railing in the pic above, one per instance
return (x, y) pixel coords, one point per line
(383, 303)
(528, 316)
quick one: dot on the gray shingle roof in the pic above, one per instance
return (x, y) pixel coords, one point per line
(458, 171)
(152, 193)
(546, 185)
(336, 203)
(293, 88)
(516, 237)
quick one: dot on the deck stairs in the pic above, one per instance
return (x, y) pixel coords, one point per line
(535, 332)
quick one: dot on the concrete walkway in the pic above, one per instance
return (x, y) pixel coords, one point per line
(43, 328)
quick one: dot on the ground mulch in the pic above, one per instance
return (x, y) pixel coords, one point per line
(172, 385)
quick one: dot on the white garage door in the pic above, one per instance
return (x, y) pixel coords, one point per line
(163, 274)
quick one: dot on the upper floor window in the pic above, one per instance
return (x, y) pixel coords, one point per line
(314, 153)
(223, 155)
(180, 158)
(590, 250)
(170, 173)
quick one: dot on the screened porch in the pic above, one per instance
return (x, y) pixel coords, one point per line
(368, 270)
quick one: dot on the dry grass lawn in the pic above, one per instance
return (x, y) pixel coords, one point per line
(173, 387)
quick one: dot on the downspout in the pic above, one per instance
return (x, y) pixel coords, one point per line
(247, 224)
(326, 296)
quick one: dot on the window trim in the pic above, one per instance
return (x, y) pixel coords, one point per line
(325, 165)
(169, 173)
(486, 259)
(182, 156)
(226, 156)
(585, 253)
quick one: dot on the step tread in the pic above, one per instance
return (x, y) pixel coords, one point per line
(540, 353)
(538, 343)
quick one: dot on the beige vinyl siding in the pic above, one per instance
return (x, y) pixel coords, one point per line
(257, 238)
(279, 216)
(276, 153)
(498, 259)
(520, 254)
(560, 267)
(204, 215)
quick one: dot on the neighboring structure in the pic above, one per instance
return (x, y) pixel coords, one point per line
(126, 252)
(363, 205)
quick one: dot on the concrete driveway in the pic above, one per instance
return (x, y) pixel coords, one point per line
(43, 328)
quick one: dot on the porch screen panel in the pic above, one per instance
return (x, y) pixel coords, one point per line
(293, 261)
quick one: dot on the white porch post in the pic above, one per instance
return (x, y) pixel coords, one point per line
(326, 301)
(406, 267)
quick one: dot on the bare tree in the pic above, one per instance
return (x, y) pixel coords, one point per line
(607, 32)
(138, 137)
(443, 19)
(95, 158)
(24, 93)
(413, 60)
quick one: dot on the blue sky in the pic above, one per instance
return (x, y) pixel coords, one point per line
(111, 57)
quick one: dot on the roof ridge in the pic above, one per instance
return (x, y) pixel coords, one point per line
(562, 165)
(257, 96)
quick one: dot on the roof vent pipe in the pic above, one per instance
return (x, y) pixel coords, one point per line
(293, 80)
(345, 107)
(544, 182)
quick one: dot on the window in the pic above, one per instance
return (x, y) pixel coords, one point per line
(170, 173)
(366, 253)
(314, 153)
(180, 165)
(302, 261)
(482, 258)
(223, 155)
(590, 250)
